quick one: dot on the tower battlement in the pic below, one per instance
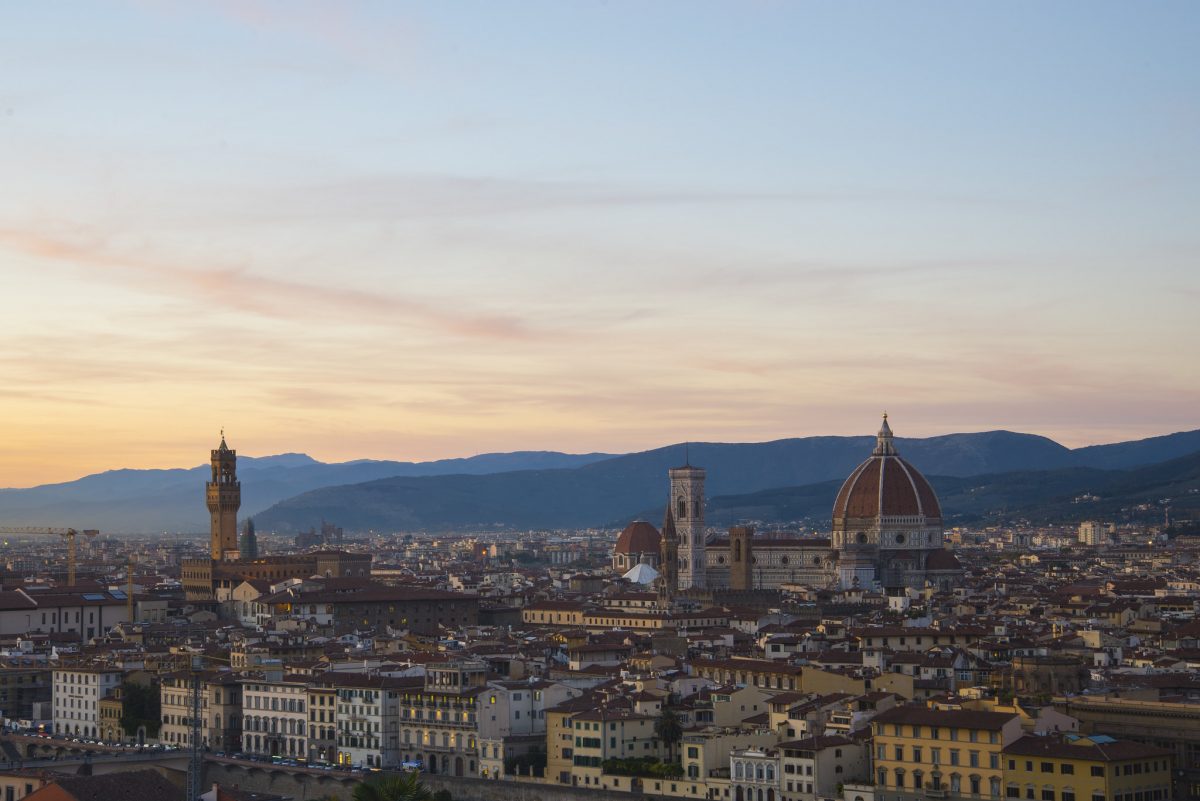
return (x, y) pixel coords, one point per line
(223, 496)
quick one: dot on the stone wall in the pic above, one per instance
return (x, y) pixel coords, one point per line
(304, 785)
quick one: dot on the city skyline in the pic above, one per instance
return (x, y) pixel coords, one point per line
(425, 231)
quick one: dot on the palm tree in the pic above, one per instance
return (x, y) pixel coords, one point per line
(402, 787)
(668, 729)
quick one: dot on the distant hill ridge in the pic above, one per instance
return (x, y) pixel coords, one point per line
(1065, 494)
(624, 487)
(146, 501)
(527, 489)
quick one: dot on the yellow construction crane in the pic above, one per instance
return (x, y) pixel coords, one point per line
(129, 587)
(68, 534)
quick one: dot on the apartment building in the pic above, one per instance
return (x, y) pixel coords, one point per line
(112, 707)
(754, 774)
(764, 673)
(1071, 767)
(21, 688)
(275, 717)
(220, 710)
(512, 720)
(367, 717)
(75, 698)
(705, 756)
(815, 767)
(560, 737)
(613, 733)
(175, 702)
(322, 723)
(439, 719)
(953, 753)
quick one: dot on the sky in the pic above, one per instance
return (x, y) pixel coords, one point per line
(414, 231)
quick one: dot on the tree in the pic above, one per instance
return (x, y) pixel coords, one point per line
(532, 763)
(141, 706)
(668, 729)
(403, 787)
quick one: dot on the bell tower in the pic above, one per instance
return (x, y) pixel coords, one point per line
(224, 497)
(687, 498)
(668, 562)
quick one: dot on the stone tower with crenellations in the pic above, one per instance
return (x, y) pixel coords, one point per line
(687, 498)
(224, 497)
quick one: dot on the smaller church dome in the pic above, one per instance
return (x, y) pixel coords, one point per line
(942, 559)
(638, 537)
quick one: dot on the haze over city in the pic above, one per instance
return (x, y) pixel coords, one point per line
(415, 231)
(697, 400)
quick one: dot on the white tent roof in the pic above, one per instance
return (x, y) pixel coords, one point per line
(642, 574)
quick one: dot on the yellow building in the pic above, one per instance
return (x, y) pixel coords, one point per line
(953, 753)
(603, 734)
(553, 613)
(1079, 768)
(112, 707)
(560, 738)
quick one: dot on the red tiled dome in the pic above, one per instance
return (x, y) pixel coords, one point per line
(942, 559)
(638, 537)
(886, 486)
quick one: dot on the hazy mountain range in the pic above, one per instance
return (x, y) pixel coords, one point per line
(536, 489)
(143, 501)
(610, 491)
(1044, 496)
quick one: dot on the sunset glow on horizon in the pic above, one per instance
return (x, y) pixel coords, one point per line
(421, 231)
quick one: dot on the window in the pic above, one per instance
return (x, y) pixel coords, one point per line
(1047, 767)
(1097, 770)
(1048, 794)
(1067, 769)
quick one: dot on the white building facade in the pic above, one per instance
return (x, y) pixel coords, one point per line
(275, 718)
(75, 699)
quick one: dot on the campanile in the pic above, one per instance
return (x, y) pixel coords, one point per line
(224, 496)
(687, 495)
